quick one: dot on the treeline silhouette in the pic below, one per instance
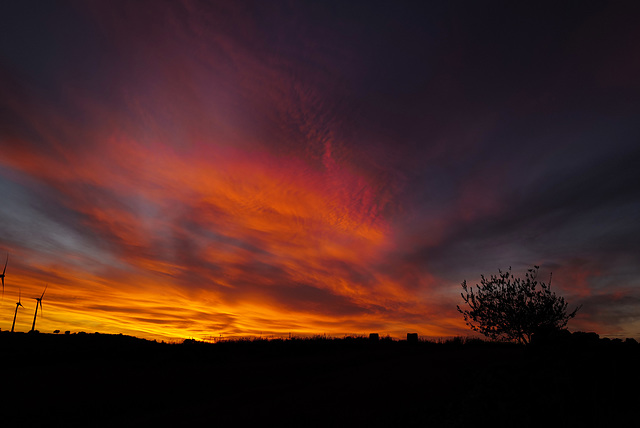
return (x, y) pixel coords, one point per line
(80, 379)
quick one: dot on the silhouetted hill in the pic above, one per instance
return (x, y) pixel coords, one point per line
(115, 380)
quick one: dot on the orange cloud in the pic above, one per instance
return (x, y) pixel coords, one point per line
(271, 244)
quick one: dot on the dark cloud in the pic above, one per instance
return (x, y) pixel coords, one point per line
(618, 312)
(309, 299)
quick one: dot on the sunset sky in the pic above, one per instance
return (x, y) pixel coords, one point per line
(177, 169)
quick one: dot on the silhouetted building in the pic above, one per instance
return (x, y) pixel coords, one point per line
(412, 337)
(374, 336)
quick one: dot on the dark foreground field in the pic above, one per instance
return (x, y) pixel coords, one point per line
(107, 380)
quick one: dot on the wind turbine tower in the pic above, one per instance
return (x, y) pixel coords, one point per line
(16, 312)
(3, 273)
(38, 302)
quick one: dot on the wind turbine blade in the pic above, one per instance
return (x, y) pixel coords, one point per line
(5, 264)
(45, 289)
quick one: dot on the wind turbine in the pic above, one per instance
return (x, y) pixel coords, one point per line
(3, 272)
(38, 302)
(16, 312)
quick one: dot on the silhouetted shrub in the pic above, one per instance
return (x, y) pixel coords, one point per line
(453, 341)
(505, 307)
(585, 338)
(551, 337)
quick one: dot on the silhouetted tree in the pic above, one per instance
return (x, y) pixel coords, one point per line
(505, 307)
